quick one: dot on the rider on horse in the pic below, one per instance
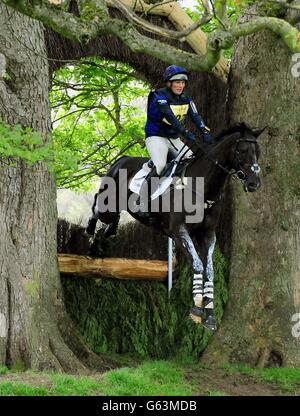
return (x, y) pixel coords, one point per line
(167, 110)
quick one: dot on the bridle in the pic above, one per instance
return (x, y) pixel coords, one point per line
(237, 172)
(239, 165)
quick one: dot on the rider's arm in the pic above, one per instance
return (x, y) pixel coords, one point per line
(195, 116)
(197, 119)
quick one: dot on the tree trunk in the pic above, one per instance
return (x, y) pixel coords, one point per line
(264, 287)
(31, 304)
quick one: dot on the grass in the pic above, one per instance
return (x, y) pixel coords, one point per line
(3, 370)
(55, 385)
(286, 379)
(7, 388)
(159, 378)
(153, 378)
(150, 378)
(215, 393)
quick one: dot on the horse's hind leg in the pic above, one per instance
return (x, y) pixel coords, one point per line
(184, 241)
(109, 218)
(112, 227)
(90, 229)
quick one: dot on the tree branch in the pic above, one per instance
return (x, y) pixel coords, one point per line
(149, 27)
(221, 8)
(90, 26)
(289, 34)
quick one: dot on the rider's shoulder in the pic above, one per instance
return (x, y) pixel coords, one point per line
(161, 93)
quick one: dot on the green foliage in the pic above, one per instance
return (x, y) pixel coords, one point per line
(97, 117)
(22, 142)
(138, 317)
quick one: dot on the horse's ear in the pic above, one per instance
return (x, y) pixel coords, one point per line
(258, 132)
(243, 127)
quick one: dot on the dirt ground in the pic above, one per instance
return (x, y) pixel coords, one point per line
(222, 382)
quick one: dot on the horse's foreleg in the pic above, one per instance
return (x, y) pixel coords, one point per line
(184, 241)
(207, 247)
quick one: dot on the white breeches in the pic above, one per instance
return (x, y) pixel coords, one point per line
(158, 148)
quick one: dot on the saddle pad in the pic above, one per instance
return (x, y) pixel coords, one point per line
(137, 181)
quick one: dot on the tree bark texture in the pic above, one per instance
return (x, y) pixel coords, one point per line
(264, 285)
(33, 323)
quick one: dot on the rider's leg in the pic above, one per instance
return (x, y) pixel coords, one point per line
(176, 145)
(158, 148)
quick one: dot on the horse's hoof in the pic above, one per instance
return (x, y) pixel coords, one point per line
(210, 323)
(196, 319)
(197, 314)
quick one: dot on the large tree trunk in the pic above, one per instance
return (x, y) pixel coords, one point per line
(31, 305)
(264, 286)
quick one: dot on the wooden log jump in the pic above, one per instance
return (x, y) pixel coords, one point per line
(117, 268)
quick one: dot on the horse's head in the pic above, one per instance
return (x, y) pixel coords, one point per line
(245, 158)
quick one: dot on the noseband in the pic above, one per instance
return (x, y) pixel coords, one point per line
(239, 173)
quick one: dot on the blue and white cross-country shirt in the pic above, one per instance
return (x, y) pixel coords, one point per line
(167, 111)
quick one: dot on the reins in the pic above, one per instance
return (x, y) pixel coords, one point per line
(234, 173)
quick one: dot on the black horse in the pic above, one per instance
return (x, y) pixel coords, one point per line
(235, 153)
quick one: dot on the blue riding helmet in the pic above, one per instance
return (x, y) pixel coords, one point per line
(174, 73)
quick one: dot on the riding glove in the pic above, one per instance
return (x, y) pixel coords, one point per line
(189, 135)
(207, 137)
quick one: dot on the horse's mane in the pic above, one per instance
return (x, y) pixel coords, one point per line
(236, 128)
(225, 136)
